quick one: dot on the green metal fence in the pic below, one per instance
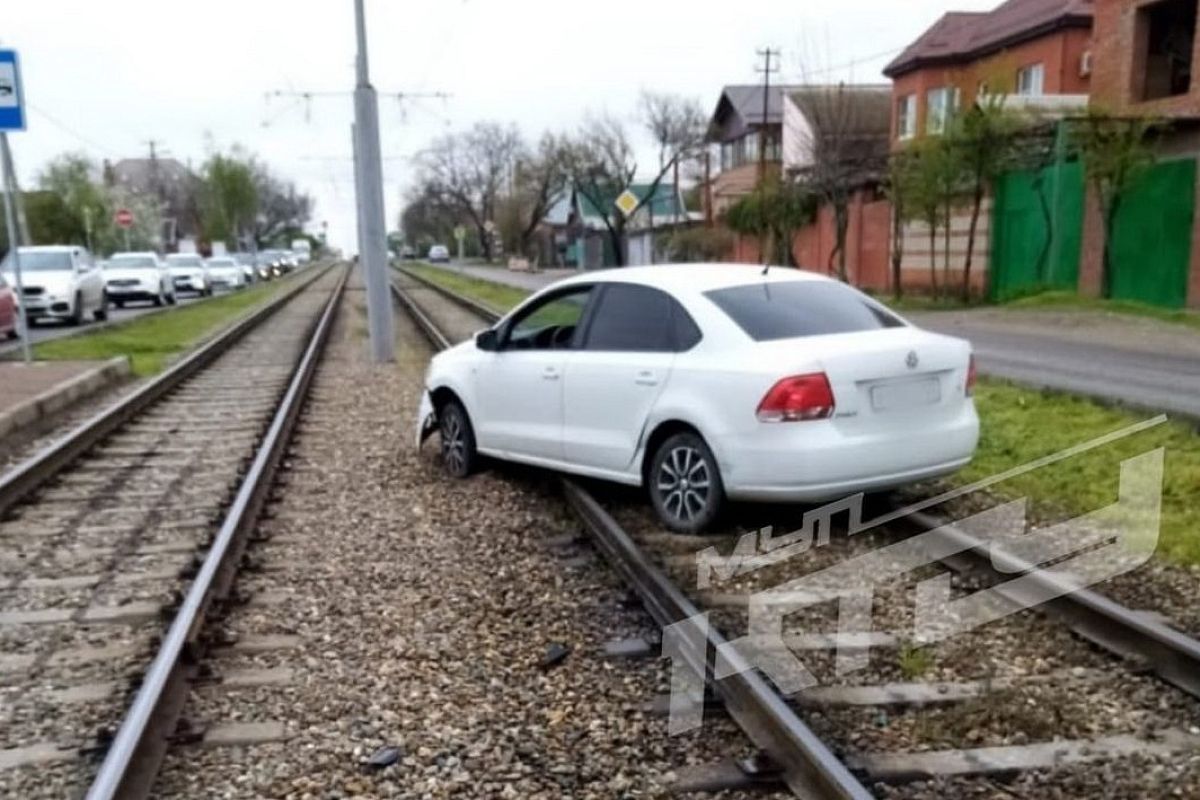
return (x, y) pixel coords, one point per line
(1037, 230)
(1152, 236)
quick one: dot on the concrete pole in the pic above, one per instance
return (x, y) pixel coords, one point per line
(373, 227)
(14, 242)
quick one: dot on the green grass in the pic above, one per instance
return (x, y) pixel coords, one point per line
(1020, 425)
(491, 294)
(151, 341)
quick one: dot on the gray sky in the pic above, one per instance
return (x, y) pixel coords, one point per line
(105, 77)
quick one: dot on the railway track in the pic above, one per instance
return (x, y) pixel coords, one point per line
(118, 540)
(1078, 697)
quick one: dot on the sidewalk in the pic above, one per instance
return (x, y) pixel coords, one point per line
(29, 392)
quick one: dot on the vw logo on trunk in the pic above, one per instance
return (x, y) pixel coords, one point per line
(911, 359)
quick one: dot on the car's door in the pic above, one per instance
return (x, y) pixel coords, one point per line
(518, 387)
(614, 379)
(91, 279)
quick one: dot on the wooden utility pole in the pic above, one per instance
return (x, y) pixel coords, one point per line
(766, 54)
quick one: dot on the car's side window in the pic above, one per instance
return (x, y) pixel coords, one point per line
(550, 324)
(632, 318)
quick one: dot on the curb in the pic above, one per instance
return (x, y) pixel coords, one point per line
(53, 400)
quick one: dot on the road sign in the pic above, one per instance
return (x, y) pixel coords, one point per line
(12, 101)
(627, 202)
(123, 217)
(460, 232)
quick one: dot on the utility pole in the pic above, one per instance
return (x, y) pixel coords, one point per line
(766, 69)
(372, 226)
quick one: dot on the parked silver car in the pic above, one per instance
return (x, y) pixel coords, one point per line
(59, 282)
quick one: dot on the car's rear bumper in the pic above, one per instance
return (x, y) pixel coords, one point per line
(818, 461)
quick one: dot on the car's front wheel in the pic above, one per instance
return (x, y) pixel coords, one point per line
(101, 313)
(76, 317)
(685, 484)
(458, 440)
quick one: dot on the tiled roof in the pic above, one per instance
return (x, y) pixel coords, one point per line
(963, 36)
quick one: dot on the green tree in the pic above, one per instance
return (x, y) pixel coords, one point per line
(228, 197)
(1116, 151)
(73, 178)
(929, 178)
(981, 142)
(773, 212)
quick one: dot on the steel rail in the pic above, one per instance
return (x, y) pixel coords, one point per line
(806, 764)
(135, 755)
(470, 304)
(1172, 655)
(21, 480)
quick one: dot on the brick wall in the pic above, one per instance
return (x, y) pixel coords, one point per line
(1119, 64)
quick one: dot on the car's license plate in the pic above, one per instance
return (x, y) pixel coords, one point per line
(909, 394)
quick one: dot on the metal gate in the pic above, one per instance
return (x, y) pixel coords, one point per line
(1152, 236)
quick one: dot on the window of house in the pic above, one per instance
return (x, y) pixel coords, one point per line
(726, 155)
(939, 108)
(1165, 32)
(751, 147)
(906, 116)
(1031, 80)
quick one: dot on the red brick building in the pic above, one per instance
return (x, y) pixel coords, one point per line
(1144, 61)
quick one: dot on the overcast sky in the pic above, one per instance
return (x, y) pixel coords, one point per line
(106, 77)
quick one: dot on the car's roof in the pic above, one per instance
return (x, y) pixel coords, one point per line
(695, 278)
(50, 248)
(150, 253)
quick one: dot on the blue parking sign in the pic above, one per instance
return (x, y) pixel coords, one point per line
(12, 104)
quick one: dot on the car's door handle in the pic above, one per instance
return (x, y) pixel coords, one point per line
(550, 374)
(646, 379)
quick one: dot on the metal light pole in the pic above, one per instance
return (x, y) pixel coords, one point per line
(372, 226)
(15, 239)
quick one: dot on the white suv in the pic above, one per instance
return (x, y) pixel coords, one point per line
(139, 276)
(58, 282)
(189, 273)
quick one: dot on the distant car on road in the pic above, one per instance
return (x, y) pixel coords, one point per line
(59, 282)
(8, 310)
(132, 277)
(246, 262)
(707, 382)
(224, 272)
(189, 274)
(270, 264)
(439, 254)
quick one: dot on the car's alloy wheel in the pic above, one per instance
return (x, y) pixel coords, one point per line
(458, 440)
(685, 484)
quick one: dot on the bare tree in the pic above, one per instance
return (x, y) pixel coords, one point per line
(844, 146)
(469, 171)
(539, 182)
(602, 165)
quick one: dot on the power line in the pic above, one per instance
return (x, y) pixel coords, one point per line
(72, 132)
(306, 97)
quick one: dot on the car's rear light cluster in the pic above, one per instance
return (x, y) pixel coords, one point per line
(971, 376)
(800, 397)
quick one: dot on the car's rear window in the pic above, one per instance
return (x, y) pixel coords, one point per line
(770, 310)
(131, 261)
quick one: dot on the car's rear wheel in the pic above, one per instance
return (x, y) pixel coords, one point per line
(76, 317)
(685, 484)
(458, 440)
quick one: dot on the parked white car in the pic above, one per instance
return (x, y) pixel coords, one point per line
(707, 382)
(59, 282)
(189, 274)
(131, 277)
(224, 272)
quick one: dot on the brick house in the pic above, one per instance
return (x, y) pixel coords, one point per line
(1144, 62)
(1037, 53)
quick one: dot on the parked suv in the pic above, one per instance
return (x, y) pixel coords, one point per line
(139, 276)
(59, 282)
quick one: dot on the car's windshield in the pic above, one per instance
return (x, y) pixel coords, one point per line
(773, 310)
(184, 261)
(126, 262)
(39, 261)
(222, 262)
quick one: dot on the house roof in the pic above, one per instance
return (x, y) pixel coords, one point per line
(856, 109)
(746, 101)
(964, 36)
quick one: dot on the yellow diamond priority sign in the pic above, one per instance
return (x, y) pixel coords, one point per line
(627, 202)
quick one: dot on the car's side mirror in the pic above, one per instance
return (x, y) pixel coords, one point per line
(488, 340)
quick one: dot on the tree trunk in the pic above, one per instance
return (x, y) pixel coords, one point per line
(933, 284)
(841, 218)
(975, 208)
(1106, 264)
(946, 249)
(897, 248)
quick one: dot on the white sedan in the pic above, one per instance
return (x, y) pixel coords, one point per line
(708, 382)
(224, 272)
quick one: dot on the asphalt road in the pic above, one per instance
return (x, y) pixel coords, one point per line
(1142, 363)
(47, 331)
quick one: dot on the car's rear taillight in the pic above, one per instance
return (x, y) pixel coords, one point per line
(971, 376)
(800, 397)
